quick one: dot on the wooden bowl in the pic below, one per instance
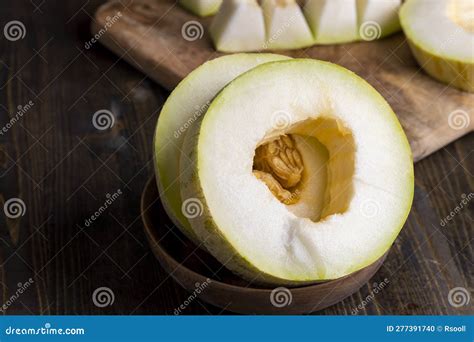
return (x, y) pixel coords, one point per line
(201, 274)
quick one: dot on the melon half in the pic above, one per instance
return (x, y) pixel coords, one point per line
(186, 106)
(441, 36)
(303, 172)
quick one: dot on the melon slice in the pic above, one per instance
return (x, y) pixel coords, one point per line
(185, 107)
(285, 24)
(249, 150)
(332, 21)
(377, 18)
(441, 36)
(202, 8)
(238, 26)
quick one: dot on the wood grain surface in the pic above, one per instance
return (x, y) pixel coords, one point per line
(166, 42)
(62, 168)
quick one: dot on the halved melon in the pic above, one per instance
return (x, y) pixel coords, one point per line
(185, 107)
(265, 134)
(441, 36)
(202, 8)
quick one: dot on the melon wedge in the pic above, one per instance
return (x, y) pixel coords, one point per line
(202, 8)
(238, 26)
(185, 107)
(441, 36)
(332, 21)
(285, 25)
(368, 183)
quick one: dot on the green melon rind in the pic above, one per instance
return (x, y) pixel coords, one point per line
(174, 213)
(391, 29)
(270, 44)
(214, 238)
(343, 39)
(448, 69)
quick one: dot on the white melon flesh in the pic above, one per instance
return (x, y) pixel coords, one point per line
(238, 26)
(202, 8)
(441, 36)
(332, 21)
(369, 166)
(285, 25)
(185, 107)
(314, 180)
(377, 18)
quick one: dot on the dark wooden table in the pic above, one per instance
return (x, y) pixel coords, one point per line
(63, 168)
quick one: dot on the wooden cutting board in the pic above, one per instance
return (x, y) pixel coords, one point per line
(151, 35)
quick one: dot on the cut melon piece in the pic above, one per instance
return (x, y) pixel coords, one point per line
(285, 25)
(332, 21)
(377, 18)
(202, 8)
(238, 26)
(238, 163)
(185, 107)
(441, 36)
